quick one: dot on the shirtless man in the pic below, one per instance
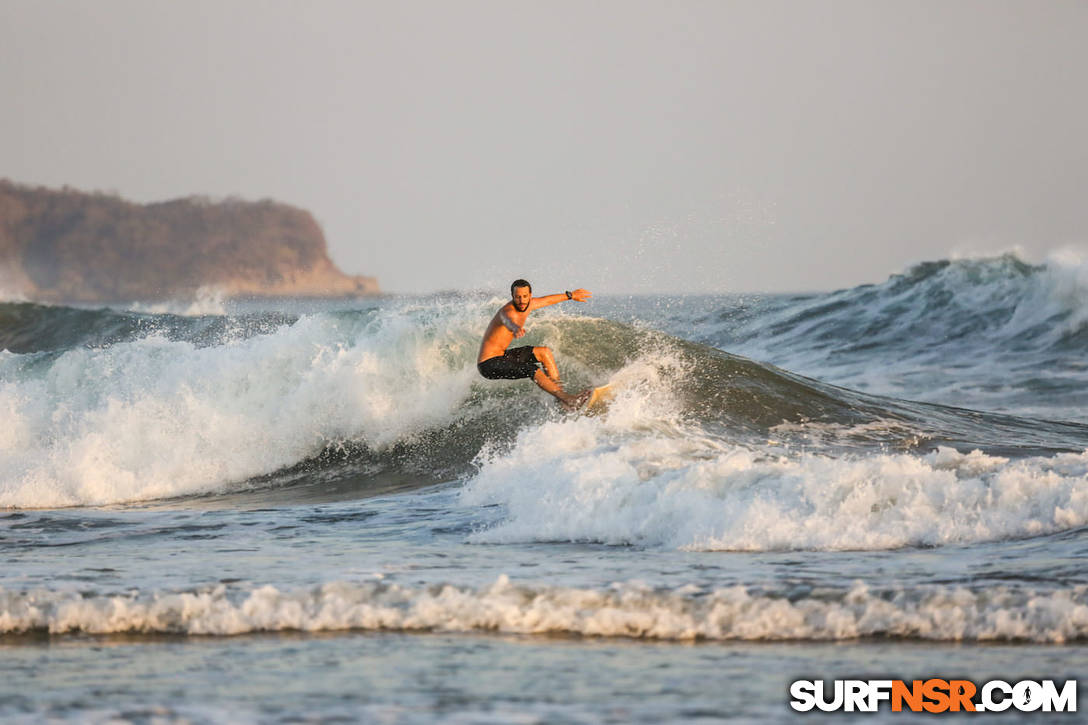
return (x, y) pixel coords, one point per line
(495, 362)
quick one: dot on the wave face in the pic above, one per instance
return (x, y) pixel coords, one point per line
(992, 333)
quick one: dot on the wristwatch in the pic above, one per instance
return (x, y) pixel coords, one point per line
(569, 295)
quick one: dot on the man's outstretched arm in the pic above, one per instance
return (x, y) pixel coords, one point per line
(580, 295)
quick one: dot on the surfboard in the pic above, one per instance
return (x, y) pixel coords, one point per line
(599, 400)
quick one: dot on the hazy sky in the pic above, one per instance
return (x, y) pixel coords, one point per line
(622, 146)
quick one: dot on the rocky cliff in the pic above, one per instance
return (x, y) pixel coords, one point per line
(69, 246)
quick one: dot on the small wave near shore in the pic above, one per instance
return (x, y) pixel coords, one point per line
(631, 610)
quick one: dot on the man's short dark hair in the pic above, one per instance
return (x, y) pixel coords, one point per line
(520, 283)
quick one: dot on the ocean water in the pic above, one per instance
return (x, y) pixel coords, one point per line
(298, 511)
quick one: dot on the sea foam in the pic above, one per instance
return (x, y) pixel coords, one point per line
(155, 417)
(625, 609)
(634, 481)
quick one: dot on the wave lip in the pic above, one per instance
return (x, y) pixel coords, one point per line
(939, 613)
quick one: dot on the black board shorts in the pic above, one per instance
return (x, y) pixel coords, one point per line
(514, 364)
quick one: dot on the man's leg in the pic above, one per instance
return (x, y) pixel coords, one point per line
(545, 358)
(548, 385)
(548, 379)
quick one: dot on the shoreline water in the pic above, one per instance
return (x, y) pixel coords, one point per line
(458, 678)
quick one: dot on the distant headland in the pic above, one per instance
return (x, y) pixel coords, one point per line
(71, 246)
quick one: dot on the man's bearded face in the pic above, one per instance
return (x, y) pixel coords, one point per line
(522, 298)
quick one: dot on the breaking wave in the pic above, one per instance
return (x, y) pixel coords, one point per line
(136, 407)
(942, 613)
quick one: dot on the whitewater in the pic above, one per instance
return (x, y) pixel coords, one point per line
(302, 510)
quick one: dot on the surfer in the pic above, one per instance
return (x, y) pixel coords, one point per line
(495, 362)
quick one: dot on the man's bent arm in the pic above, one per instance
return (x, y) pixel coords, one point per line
(580, 295)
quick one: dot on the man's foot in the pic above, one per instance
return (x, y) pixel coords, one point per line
(572, 403)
